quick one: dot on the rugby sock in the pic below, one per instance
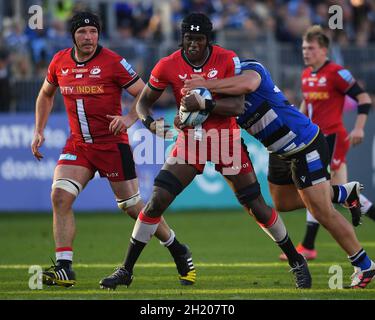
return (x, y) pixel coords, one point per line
(64, 256)
(275, 228)
(366, 204)
(294, 258)
(173, 245)
(339, 194)
(143, 230)
(312, 227)
(360, 260)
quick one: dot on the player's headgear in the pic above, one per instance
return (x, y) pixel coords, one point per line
(84, 19)
(197, 23)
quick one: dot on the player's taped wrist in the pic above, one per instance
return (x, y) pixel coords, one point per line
(364, 108)
(147, 122)
(209, 105)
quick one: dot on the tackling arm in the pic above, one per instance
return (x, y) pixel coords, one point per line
(228, 106)
(248, 81)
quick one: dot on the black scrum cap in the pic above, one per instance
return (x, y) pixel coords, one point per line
(197, 23)
(84, 19)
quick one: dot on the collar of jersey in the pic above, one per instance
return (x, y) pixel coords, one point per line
(204, 62)
(321, 67)
(98, 50)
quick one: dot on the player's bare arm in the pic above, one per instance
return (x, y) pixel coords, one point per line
(357, 135)
(229, 106)
(248, 81)
(119, 124)
(143, 107)
(43, 108)
(302, 107)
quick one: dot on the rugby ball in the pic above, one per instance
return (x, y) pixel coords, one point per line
(195, 118)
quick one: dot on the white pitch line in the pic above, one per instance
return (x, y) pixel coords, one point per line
(172, 265)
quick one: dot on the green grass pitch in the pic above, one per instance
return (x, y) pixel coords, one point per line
(233, 257)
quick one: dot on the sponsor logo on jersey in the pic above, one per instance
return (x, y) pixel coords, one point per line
(67, 156)
(324, 95)
(64, 72)
(212, 73)
(95, 71)
(127, 67)
(346, 75)
(80, 70)
(112, 174)
(82, 90)
(183, 77)
(153, 78)
(276, 89)
(336, 162)
(322, 82)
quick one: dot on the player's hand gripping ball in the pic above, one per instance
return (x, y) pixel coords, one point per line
(194, 118)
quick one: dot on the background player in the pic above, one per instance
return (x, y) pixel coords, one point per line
(198, 56)
(324, 86)
(91, 79)
(299, 158)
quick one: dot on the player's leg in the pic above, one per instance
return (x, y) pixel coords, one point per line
(171, 181)
(69, 180)
(316, 193)
(340, 177)
(129, 200)
(284, 193)
(317, 199)
(307, 246)
(248, 193)
(338, 145)
(286, 197)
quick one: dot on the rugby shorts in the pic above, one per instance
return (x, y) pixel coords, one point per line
(305, 168)
(112, 160)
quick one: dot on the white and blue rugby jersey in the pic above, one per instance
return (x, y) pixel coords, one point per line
(271, 119)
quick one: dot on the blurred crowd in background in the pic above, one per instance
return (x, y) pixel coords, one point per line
(140, 25)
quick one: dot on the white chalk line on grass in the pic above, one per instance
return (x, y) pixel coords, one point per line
(172, 265)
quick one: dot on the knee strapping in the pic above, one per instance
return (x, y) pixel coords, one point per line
(248, 194)
(130, 202)
(169, 182)
(69, 185)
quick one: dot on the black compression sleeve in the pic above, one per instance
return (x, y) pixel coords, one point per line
(354, 91)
